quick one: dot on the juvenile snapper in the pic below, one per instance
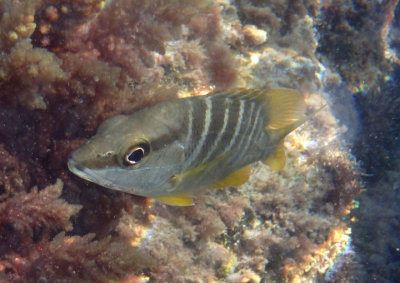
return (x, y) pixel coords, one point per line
(169, 150)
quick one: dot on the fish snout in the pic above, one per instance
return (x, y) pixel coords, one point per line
(74, 166)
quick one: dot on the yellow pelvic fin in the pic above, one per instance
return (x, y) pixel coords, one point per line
(277, 159)
(177, 200)
(236, 178)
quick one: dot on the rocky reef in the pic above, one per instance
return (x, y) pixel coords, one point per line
(65, 66)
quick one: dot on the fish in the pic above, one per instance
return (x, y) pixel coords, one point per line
(171, 150)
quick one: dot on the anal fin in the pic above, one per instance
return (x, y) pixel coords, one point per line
(177, 200)
(277, 159)
(236, 178)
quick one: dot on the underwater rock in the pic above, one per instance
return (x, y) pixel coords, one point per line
(350, 43)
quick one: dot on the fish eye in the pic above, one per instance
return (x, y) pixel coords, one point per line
(136, 153)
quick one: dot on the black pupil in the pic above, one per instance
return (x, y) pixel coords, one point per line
(136, 155)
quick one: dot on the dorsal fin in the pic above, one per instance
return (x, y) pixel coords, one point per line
(238, 93)
(284, 107)
(281, 132)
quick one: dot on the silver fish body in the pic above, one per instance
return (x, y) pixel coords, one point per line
(178, 146)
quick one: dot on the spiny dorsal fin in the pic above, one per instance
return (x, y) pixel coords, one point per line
(177, 200)
(238, 93)
(236, 178)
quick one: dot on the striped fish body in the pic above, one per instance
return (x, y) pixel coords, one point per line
(221, 135)
(168, 150)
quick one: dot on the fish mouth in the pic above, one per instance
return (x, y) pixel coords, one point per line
(89, 175)
(78, 170)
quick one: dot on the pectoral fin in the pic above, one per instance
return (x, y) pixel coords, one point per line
(177, 200)
(236, 178)
(197, 170)
(277, 159)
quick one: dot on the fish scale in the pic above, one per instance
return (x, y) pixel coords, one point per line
(205, 122)
(197, 128)
(253, 126)
(238, 121)
(223, 123)
(244, 126)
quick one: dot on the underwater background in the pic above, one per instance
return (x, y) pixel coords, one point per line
(331, 215)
